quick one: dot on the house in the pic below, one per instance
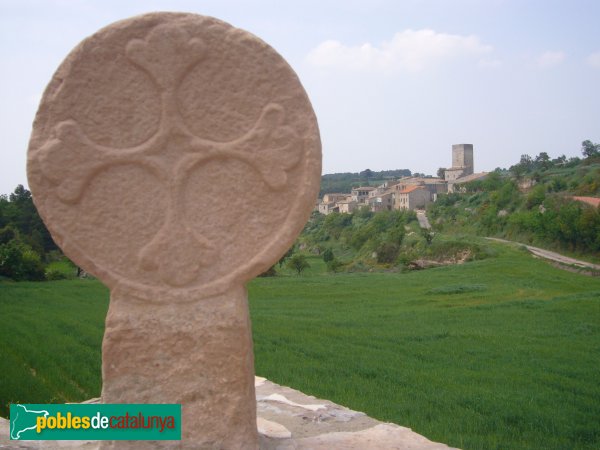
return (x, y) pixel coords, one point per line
(327, 208)
(433, 185)
(335, 197)
(411, 198)
(382, 202)
(361, 194)
(382, 189)
(347, 206)
(330, 201)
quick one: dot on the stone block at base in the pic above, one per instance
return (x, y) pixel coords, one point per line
(289, 419)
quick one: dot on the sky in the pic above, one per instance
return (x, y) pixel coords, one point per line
(393, 83)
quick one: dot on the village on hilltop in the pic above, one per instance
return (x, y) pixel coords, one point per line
(408, 192)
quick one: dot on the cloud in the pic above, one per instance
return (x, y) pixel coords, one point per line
(550, 59)
(594, 60)
(408, 50)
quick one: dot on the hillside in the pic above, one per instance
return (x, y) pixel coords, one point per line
(532, 202)
(535, 205)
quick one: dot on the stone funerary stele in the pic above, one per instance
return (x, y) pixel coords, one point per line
(176, 157)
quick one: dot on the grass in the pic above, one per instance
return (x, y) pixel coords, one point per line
(500, 353)
(50, 341)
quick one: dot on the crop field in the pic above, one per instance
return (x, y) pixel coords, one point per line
(500, 353)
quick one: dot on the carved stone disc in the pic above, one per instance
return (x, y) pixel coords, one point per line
(174, 152)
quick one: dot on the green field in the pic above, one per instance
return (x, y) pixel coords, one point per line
(501, 353)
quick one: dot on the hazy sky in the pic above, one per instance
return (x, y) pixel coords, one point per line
(394, 83)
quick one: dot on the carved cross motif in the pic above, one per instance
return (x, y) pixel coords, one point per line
(266, 147)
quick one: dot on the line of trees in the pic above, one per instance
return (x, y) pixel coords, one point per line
(542, 162)
(344, 182)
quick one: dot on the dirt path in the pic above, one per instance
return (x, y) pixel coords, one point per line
(423, 221)
(552, 256)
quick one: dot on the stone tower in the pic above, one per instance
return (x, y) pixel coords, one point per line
(462, 157)
(462, 162)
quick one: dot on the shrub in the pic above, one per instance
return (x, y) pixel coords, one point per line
(387, 252)
(20, 262)
(335, 265)
(328, 255)
(54, 274)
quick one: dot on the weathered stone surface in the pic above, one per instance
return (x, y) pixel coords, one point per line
(176, 157)
(298, 428)
(174, 153)
(272, 430)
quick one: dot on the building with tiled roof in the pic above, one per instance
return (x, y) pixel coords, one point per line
(411, 198)
(407, 192)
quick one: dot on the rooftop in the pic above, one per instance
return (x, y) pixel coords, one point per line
(364, 188)
(411, 189)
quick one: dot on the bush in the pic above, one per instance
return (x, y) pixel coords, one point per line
(20, 262)
(335, 265)
(387, 252)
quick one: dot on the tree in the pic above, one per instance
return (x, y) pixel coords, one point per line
(525, 165)
(366, 174)
(589, 149)
(542, 160)
(298, 263)
(561, 160)
(518, 171)
(441, 172)
(24, 239)
(18, 211)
